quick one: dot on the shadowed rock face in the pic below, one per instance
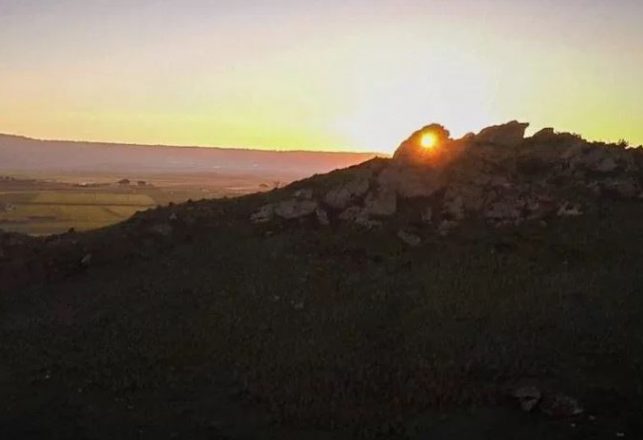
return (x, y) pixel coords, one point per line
(478, 177)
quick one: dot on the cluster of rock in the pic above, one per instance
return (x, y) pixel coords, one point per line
(498, 175)
(553, 404)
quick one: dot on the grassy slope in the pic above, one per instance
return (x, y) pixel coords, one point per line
(333, 327)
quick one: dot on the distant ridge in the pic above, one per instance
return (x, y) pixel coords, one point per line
(10, 136)
(24, 154)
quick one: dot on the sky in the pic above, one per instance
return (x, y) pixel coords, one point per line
(356, 75)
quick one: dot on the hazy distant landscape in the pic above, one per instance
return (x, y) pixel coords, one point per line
(51, 186)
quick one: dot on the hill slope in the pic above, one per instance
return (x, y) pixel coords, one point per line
(363, 303)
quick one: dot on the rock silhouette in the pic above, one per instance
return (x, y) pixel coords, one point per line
(497, 176)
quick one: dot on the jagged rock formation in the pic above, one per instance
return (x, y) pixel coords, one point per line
(508, 135)
(497, 176)
(411, 150)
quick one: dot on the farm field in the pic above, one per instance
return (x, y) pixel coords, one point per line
(54, 204)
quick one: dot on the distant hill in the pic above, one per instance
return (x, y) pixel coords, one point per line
(23, 154)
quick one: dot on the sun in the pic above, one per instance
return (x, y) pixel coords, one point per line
(428, 140)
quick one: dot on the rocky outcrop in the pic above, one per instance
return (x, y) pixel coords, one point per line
(545, 135)
(507, 135)
(409, 238)
(359, 216)
(322, 217)
(381, 202)
(600, 159)
(342, 196)
(409, 181)
(304, 194)
(569, 209)
(476, 177)
(553, 404)
(287, 210)
(264, 214)
(453, 207)
(291, 209)
(528, 397)
(412, 150)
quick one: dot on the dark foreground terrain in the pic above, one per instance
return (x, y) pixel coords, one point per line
(278, 315)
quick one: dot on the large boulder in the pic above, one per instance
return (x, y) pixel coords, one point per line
(287, 210)
(359, 216)
(508, 135)
(304, 194)
(569, 209)
(409, 238)
(546, 134)
(382, 202)
(344, 195)
(470, 196)
(412, 151)
(322, 217)
(409, 181)
(528, 397)
(453, 207)
(264, 214)
(292, 209)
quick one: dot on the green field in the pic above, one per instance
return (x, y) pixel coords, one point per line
(43, 207)
(46, 212)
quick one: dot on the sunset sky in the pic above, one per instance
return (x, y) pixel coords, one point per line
(317, 74)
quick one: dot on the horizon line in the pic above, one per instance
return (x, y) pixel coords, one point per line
(194, 146)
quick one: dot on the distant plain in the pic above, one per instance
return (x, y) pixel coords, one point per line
(49, 187)
(58, 203)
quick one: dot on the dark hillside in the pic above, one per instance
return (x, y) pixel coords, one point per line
(426, 296)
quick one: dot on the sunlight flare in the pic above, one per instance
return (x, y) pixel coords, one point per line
(429, 140)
